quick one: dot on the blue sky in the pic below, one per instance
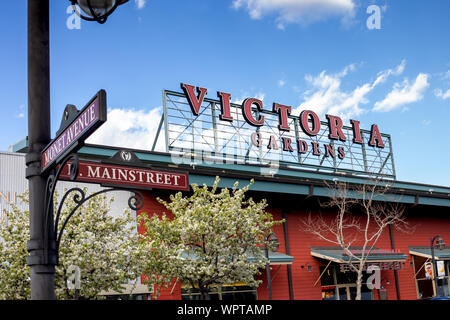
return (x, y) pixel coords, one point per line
(318, 54)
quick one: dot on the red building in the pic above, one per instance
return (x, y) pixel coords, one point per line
(305, 267)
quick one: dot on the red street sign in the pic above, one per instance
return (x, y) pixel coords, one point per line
(92, 116)
(133, 177)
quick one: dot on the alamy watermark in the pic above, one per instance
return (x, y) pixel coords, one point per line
(192, 157)
(374, 280)
(74, 277)
(374, 20)
(73, 22)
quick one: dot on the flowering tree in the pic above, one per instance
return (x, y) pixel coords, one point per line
(209, 239)
(106, 250)
(14, 272)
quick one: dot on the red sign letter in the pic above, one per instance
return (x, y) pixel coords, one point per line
(225, 106)
(283, 113)
(272, 143)
(304, 116)
(316, 149)
(194, 101)
(247, 111)
(375, 137)
(302, 146)
(256, 139)
(287, 144)
(356, 132)
(335, 126)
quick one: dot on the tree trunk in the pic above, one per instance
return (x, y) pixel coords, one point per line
(359, 284)
(204, 293)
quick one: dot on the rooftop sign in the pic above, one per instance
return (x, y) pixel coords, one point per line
(250, 132)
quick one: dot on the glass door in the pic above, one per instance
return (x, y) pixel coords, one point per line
(337, 285)
(344, 293)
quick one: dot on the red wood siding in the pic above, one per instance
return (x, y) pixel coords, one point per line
(427, 225)
(152, 206)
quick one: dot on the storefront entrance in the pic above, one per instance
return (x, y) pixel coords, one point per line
(426, 287)
(337, 285)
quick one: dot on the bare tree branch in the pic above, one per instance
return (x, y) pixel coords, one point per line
(362, 212)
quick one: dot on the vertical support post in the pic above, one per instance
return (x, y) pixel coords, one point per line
(288, 252)
(165, 115)
(435, 269)
(214, 123)
(157, 132)
(297, 137)
(42, 254)
(363, 147)
(269, 279)
(334, 158)
(397, 288)
(392, 157)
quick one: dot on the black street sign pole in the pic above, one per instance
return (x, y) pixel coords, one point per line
(42, 158)
(42, 264)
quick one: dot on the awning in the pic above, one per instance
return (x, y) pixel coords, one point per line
(275, 258)
(439, 254)
(337, 254)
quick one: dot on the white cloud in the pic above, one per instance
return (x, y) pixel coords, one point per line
(21, 113)
(426, 123)
(281, 83)
(327, 96)
(446, 75)
(140, 3)
(240, 99)
(134, 129)
(443, 95)
(297, 11)
(383, 75)
(403, 93)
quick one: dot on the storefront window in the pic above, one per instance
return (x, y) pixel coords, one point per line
(424, 281)
(128, 297)
(224, 293)
(337, 285)
(329, 293)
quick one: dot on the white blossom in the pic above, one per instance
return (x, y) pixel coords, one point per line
(209, 239)
(106, 249)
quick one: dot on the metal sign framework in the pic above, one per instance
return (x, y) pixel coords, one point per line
(207, 137)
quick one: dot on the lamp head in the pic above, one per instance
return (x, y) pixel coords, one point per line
(273, 241)
(96, 10)
(440, 244)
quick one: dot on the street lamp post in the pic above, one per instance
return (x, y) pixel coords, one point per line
(42, 264)
(42, 257)
(439, 245)
(271, 241)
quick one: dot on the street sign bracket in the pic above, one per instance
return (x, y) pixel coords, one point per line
(52, 242)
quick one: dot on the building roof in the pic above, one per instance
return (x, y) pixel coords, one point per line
(275, 257)
(337, 254)
(273, 179)
(280, 179)
(439, 254)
